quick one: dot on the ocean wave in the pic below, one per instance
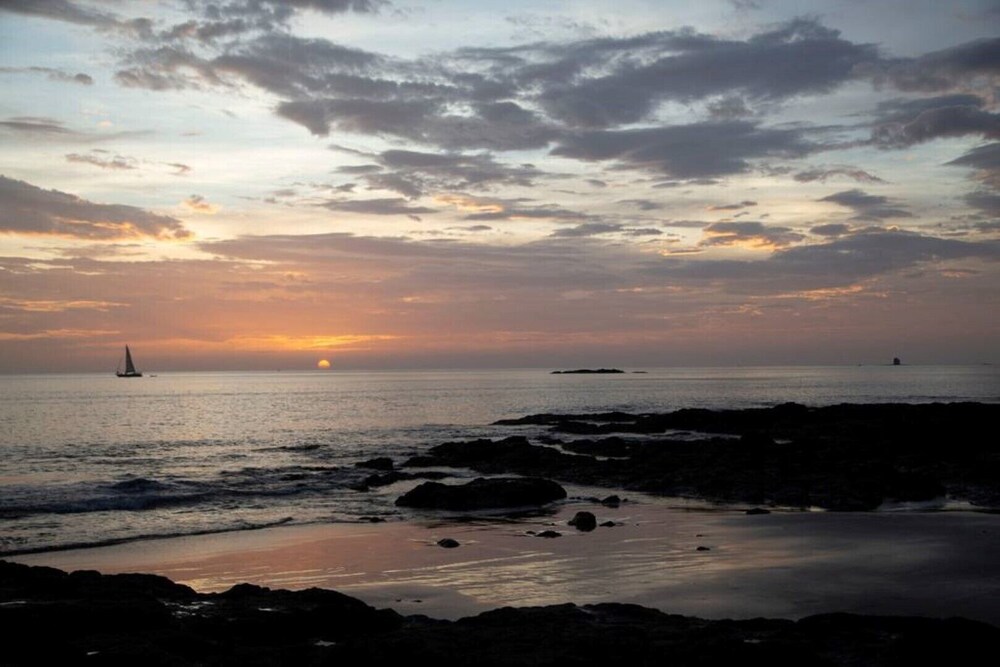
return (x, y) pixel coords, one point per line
(90, 544)
(134, 494)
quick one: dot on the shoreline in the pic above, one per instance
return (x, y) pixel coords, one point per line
(784, 564)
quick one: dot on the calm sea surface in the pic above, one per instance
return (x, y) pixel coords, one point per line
(89, 459)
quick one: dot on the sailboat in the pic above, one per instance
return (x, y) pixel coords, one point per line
(130, 371)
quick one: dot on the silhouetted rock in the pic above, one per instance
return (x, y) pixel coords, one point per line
(584, 521)
(50, 617)
(757, 510)
(378, 463)
(483, 493)
(393, 476)
(609, 524)
(588, 371)
(611, 501)
(448, 543)
(703, 549)
(841, 457)
(548, 533)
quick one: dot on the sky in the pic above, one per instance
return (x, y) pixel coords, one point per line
(255, 184)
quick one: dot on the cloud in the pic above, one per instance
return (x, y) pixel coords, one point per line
(35, 125)
(686, 151)
(507, 209)
(224, 18)
(60, 10)
(588, 229)
(866, 206)
(36, 128)
(28, 209)
(732, 207)
(985, 160)
(642, 204)
(52, 73)
(413, 173)
(839, 262)
(424, 120)
(472, 228)
(615, 81)
(384, 206)
(168, 68)
(823, 174)
(729, 108)
(510, 98)
(987, 202)
(642, 231)
(934, 123)
(974, 64)
(410, 187)
(182, 169)
(199, 204)
(96, 158)
(752, 234)
(831, 229)
(73, 12)
(359, 169)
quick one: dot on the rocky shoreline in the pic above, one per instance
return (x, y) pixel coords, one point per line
(134, 618)
(844, 457)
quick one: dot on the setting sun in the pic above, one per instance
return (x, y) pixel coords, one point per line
(323, 363)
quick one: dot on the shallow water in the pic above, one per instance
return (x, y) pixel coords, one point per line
(95, 459)
(785, 564)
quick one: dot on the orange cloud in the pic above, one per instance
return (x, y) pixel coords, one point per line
(199, 204)
(54, 306)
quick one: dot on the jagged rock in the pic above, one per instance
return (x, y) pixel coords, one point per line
(137, 619)
(482, 493)
(377, 463)
(841, 457)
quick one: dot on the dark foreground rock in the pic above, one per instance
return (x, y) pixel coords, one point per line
(584, 521)
(483, 494)
(50, 617)
(841, 457)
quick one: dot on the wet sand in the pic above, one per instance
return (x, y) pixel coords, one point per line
(784, 564)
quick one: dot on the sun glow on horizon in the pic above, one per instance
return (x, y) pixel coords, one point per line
(323, 364)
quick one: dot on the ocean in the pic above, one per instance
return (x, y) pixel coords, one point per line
(91, 459)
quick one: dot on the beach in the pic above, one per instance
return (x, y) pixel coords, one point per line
(843, 532)
(787, 564)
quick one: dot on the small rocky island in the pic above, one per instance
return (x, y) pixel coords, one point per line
(589, 371)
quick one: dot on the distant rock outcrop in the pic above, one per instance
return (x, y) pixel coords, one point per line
(585, 371)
